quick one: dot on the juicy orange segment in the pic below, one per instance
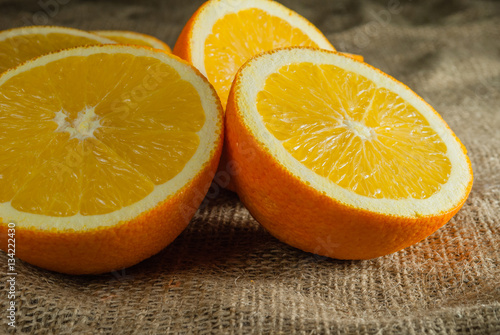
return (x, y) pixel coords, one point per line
(21, 44)
(251, 32)
(102, 145)
(339, 159)
(348, 129)
(223, 34)
(106, 152)
(132, 37)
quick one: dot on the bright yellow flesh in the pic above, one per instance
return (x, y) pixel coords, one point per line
(127, 40)
(93, 134)
(237, 37)
(362, 137)
(15, 50)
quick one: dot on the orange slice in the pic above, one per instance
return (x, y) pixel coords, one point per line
(338, 158)
(21, 44)
(99, 174)
(132, 37)
(223, 34)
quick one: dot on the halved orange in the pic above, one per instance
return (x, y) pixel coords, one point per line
(99, 174)
(223, 34)
(338, 158)
(132, 37)
(21, 44)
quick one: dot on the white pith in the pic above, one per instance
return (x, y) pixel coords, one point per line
(217, 9)
(209, 137)
(359, 129)
(82, 127)
(252, 79)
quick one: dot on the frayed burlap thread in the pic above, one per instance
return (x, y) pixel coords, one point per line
(225, 274)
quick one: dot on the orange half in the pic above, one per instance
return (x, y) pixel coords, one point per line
(21, 44)
(337, 158)
(224, 34)
(99, 174)
(132, 37)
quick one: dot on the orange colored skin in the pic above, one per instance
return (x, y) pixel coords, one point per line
(122, 245)
(303, 217)
(126, 243)
(183, 50)
(182, 47)
(354, 56)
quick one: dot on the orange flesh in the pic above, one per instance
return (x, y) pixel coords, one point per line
(128, 40)
(94, 145)
(18, 49)
(361, 137)
(237, 37)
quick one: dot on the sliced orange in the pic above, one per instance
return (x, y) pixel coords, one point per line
(132, 37)
(354, 56)
(338, 158)
(99, 174)
(21, 44)
(223, 34)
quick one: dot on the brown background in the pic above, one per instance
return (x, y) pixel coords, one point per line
(225, 274)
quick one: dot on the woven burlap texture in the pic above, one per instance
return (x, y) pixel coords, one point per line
(226, 274)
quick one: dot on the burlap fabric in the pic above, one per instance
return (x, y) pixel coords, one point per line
(225, 274)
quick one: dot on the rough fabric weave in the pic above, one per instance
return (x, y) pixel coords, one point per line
(226, 274)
